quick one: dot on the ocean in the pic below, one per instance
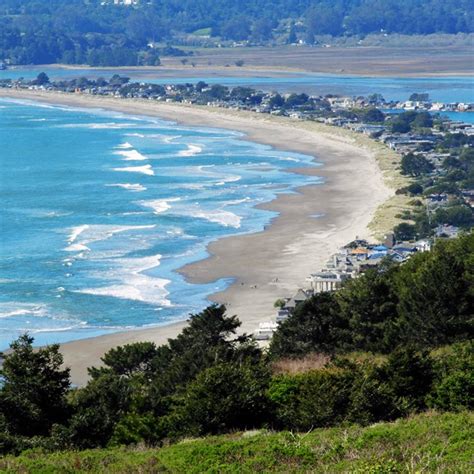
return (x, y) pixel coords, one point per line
(99, 210)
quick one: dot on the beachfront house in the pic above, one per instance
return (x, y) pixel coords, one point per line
(265, 331)
(327, 280)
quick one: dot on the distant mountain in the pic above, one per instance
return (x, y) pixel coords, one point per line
(113, 32)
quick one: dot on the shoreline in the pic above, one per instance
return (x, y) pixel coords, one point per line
(272, 263)
(167, 71)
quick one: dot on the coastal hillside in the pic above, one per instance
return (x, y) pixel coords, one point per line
(396, 343)
(431, 442)
(135, 32)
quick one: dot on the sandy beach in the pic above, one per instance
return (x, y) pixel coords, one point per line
(270, 264)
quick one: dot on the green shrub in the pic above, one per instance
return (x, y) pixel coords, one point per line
(453, 388)
(313, 399)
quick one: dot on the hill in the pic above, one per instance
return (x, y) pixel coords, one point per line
(425, 443)
(113, 33)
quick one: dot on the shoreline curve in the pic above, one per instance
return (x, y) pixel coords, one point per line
(272, 263)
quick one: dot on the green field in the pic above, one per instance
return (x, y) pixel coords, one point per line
(424, 443)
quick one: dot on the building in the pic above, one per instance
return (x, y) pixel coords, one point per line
(328, 280)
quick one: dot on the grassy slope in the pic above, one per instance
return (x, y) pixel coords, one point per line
(425, 443)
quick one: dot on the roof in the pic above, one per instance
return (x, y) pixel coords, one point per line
(380, 247)
(300, 296)
(377, 255)
(359, 251)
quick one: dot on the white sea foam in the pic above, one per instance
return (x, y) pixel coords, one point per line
(95, 233)
(289, 158)
(109, 125)
(76, 232)
(131, 155)
(77, 248)
(218, 216)
(191, 151)
(125, 146)
(164, 138)
(170, 138)
(138, 135)
(159, 205)
(133, 283)
(128, 186)
(145, 169)
(12, 309)
(237, 201)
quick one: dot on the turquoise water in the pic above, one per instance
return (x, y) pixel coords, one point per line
(99, 210)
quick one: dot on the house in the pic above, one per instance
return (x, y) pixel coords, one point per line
(446, 230)
(328, 280)
(423, 245)
(265, 331)
(290, 305)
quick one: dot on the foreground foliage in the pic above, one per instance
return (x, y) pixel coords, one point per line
(209, 380)
(425, 443)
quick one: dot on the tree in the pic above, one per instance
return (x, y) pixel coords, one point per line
(312, 399)
(292, 39)
(276, 101)
(396, 388)
(316, 325)
(42, 79)
(404, 231)
(237, 29)
(400, 126)
(461, 215)
(415, 165)
(374, 115)
(417, 97)
(453, 388)
(262, 30)
(128, 360)
(33, 394)
(435, 294)
(226, 397)
(369, 304)
(423, 120)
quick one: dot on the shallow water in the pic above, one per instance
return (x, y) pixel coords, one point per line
(99, 210)
(443, 89)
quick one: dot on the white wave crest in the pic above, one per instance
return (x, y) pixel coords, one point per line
(76, 232)
(218, 216)
(77, 248)
(191, 151)
(12, 309)
(133, 283)
(131, 155)
(128, 186)
(138, 135)
(96, 233)
(145, 169)
(125, 146)
(159, 205)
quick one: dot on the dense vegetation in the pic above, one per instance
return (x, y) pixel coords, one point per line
(97, 32)
(423, 443)
(209, 380)
(425, 302)
(451, 178)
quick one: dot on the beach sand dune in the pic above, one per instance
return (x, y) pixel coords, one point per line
(311, 224)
